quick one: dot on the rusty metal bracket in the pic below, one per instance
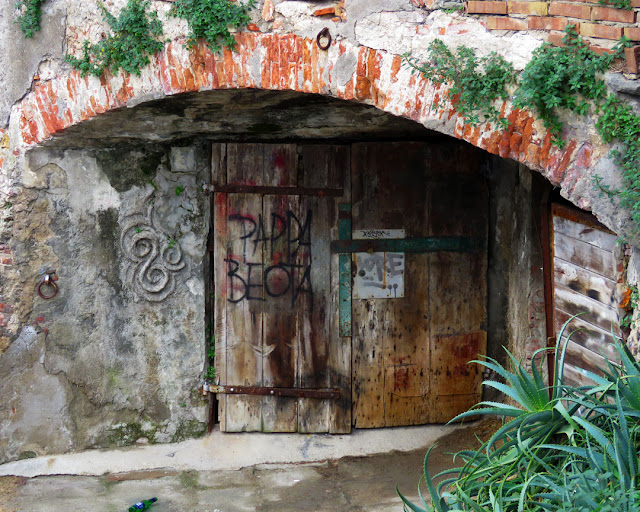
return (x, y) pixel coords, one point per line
(322, 393)
(209, 188)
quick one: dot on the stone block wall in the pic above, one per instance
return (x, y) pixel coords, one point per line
(117, 355)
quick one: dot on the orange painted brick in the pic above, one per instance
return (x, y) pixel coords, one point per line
(634, 3)
(546, 23)
(632, 33)
(486, 7)
(570, 10)
(325, 11)
(632, 55)
(253, 27)
(612, 14)
(504, 23)
(600, 31)
(533, 8)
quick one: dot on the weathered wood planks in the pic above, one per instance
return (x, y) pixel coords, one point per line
(584, 280)
(410, 354)
(274, 315)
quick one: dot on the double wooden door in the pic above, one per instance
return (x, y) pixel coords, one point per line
(288, 223)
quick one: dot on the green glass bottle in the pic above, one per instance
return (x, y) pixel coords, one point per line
(142, 505)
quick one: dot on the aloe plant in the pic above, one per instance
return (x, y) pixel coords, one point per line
(560, 448)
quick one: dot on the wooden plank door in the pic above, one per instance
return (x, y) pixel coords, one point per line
(410, 353)
(584, 282)
(275, 211)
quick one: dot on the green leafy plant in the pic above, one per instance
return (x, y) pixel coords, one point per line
(210, 20)
(455, 8)
(210, 374)
(560, 448)
(619, 122)
(618, 4)
(179, 190)
(134, 38)
(630, 306)
(30, 16)
(475, 83)
(564, 77)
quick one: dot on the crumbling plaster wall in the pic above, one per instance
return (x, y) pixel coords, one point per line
(101, 363)
(117, 355)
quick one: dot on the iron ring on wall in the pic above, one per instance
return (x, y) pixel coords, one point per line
(324, 39)
(48, 282)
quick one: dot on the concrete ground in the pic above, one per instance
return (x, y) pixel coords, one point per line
(302, 473)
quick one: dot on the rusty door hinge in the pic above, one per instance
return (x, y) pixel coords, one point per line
(323, 393)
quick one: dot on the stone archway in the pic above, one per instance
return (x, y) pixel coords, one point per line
(286, 62)
(263, 63)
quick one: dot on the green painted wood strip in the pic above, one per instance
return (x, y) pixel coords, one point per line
(344, 269)
(411, 245)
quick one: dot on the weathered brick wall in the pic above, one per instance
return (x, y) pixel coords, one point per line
(601, 25)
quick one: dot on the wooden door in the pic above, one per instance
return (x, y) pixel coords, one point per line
(584, 282)
(410, 353)
(275, 213)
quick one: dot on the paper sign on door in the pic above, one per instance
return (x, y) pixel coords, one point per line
(379, 275)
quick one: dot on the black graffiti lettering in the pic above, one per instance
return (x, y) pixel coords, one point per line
(301, 288)
(303, 229)
(250, 284)
(261, 234)
(275, 234)
(286, 274)
(245, 232)
(273, 286)
(232, 273)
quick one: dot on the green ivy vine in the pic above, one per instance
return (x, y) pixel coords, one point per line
(618, 4)
(30, 16)
(475, 83)
(136, 33)
(134, 38)
(210, 20)
(564, 77)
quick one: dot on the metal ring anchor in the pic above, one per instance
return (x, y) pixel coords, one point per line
(49, 283)
(323, 39)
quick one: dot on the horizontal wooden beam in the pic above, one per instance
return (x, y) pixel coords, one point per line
(415, 245)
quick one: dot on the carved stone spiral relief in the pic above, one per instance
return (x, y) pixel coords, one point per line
(152, 257)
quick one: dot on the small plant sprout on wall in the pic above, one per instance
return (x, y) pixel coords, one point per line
(564, 449)
(475, 84)
(209, 20)
(30, 16)
(135, 37)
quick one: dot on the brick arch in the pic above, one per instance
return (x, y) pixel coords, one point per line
(292, 63)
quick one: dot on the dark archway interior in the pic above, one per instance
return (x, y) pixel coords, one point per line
(240, 115)
(252, 115)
